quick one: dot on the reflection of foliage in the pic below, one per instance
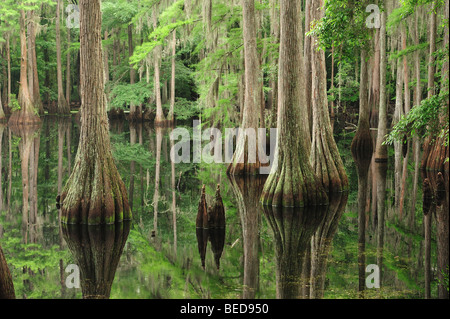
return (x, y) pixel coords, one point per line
(34, 266)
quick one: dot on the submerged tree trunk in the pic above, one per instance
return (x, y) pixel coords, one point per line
(244, 162)
(325, 158)
(292, 181)
(95, 192)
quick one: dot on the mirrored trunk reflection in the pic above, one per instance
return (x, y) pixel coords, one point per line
(97, 251)
(293, 229)
(247, 191)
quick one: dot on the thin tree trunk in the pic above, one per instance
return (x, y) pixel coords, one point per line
(170, 117)
(26, 114)
(33, 75)
(381, 150)
(244, 162)
(160, 118)
(63, 107)
(8, 59)
(307, 59)
(362, 142)
(68, 82)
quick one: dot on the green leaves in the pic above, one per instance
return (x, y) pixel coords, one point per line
(123, 95)
(422, 120)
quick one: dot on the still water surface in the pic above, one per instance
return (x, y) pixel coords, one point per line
(261, 253)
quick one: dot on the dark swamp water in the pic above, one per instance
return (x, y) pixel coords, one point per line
(261, 253)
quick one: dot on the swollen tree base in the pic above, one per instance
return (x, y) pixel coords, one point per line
(95, 193)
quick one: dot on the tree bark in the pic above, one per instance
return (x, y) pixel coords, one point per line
(63, 107)
(26, 114)
(292, 181)
(95, 192)
(170, 117)
(6, 283)
(243, 162)
(160, 118)
(33, 75)
(381, 150)
(362, 142)
(325, 158)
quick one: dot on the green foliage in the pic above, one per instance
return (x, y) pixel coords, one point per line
(185, 109)
(423, 120)
(15, 106)
(122, 95)
(343, 26)
(349, 91)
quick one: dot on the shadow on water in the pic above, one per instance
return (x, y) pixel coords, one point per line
(97, 251)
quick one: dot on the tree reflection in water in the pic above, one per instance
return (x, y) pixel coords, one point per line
(97, 251)
(295, 231)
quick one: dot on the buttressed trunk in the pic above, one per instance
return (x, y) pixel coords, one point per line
(26, 114)
(94, 193)
(362, 142)
(292, 182)
(325, 157)
(244, 163)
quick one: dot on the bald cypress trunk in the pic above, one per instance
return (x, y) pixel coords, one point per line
(292, 181)
(6, 282)
(160, 118)
(381, 150)
(170, 117)
(325, 158)
(244, 162)
(26, 114)
(362, 142)
(63, 107)
(33, 72)
(2, 113)
(95, 192)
